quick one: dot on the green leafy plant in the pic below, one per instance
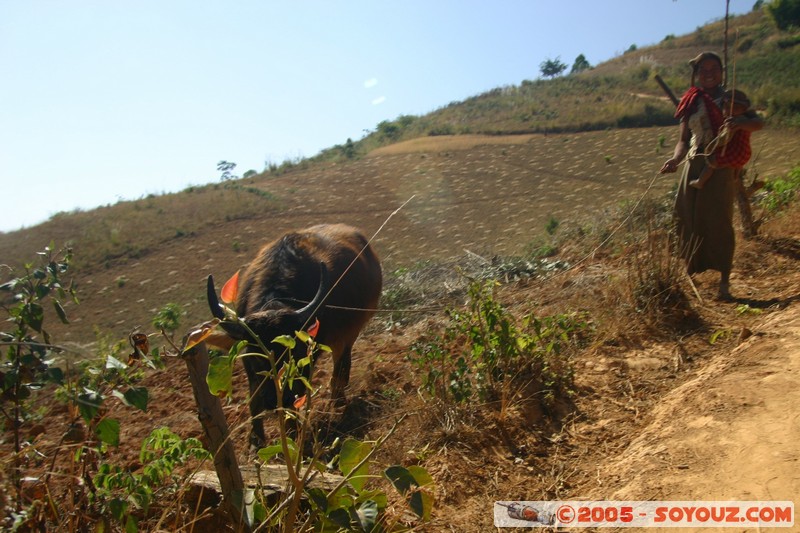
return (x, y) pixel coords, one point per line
(540, 248)
(484, 352)
(353, 505)
(168, 318)
(84, 385)
(27, 347)
(96, 380)
(580, 64)
(349, 149)
(550, 68)
(780, 192)
(126, 495)
(552, 225)
(744, 309)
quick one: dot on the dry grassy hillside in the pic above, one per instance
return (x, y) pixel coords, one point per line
(675, 51)
(484, 195)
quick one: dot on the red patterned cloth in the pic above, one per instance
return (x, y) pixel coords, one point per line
(688, 105)
(736, 153)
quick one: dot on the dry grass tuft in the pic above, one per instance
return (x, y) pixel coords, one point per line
(654, 287)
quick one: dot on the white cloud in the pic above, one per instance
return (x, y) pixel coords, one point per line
(379, 100)
(370, 83)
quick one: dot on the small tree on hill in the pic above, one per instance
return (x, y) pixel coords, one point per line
(226, 168)
(389, 130)
(550, 68)
(785, 13)
(349, 149)
(580, 64)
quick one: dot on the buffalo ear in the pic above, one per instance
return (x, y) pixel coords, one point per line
(230, 291)
(236, 331)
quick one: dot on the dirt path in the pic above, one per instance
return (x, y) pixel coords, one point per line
(731, 433)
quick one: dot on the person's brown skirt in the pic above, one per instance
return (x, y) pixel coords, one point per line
(704, 219)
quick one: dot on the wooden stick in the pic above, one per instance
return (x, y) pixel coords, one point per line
(667, 90)
(725, 45)
(694, 288)
(212, 418)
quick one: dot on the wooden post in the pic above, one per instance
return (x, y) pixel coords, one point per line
(749, 226)
(209, 411)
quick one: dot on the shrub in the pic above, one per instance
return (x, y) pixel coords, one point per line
(484, 353)
(28, 366)
(780, 192)
(168, 317)
(654, 272)
(27, 358)
(552, 225)
(125, 495)
(443, 129)
(785, 13)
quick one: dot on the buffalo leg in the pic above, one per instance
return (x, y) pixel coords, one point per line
(260, 398)
(257, 437)
(341, 374)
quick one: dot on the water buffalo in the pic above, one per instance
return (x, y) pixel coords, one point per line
(328, 272)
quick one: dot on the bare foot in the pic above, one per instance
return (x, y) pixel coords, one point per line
(724, 294)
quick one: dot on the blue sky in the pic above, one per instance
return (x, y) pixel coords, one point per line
(104, 100)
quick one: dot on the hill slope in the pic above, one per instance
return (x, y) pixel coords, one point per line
(632, 380)
(656, 406)
(486, 195)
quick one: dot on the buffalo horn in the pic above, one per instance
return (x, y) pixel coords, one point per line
(306, 312)
(213, 301)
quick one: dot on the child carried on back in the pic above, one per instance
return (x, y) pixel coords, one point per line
(729, 148)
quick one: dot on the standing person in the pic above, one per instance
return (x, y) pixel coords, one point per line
(704, 216)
